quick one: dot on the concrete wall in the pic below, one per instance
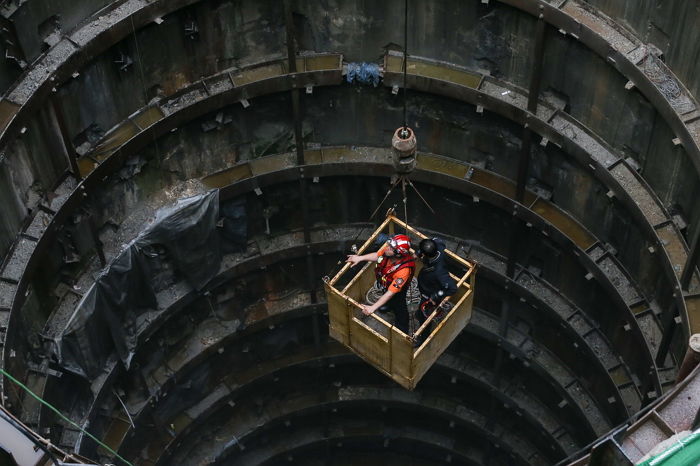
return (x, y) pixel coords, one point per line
(595, 95)
(30, 168)
(33, 19)
(672, 26)
(233, 33)
(230, 34)
(493, 38)
(363, 116)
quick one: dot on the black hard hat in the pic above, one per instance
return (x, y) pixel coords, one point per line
(428, 248)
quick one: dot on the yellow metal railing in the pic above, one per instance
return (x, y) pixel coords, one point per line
(378, 342)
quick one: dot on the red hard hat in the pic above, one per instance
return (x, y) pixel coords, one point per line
(401, 244)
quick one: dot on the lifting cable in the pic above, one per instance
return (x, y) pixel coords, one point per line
(403, 141)
(405, 107)
(405, 63)
(56, 411)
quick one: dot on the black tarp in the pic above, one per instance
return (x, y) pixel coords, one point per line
(188, 233)
(104, 321)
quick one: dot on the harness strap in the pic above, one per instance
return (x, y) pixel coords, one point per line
(383, 274)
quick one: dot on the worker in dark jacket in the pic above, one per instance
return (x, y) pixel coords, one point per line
(434, 281)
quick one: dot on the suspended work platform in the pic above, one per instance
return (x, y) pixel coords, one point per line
(377, 341)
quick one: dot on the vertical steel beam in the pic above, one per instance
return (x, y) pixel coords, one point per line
(303, 182)
(295, 94)
(65, 137)
(647, 386)
(533, 97)
(537, 63)
(296, 114)
(523, 164)
(303, 200)
(501, 354)
(72, 158)
(95, 236)
(517, 230)
(13, 47)
(291, 40)
(668, 325)
(298, 136)
(692, 260)
(502, 334)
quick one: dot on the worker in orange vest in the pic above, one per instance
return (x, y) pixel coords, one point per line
(394, 271)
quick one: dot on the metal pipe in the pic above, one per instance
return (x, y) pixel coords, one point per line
(691, 359)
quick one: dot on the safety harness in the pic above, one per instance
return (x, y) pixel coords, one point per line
(385, 270)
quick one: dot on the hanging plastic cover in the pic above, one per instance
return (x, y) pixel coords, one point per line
(104, 321)
(188, 233)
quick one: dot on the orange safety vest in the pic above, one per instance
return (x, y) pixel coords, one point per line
(385, 270)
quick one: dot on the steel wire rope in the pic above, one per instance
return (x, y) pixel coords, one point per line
(405, 64)
(62, 416)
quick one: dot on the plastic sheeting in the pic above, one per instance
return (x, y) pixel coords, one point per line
(188, 233)
(104, 321)
(363, 73)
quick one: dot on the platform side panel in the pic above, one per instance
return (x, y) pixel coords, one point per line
(401, 355)
(370, 345)
(359, 285)
(337, 315)
(446, 331)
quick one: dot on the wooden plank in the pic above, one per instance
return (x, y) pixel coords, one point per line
(444, 73)
(563, 222)
(148, 117)
(324, 62)
(271, 163)
(258, 73)
(692, 303)
(228, 176)
(8, 110)
(443, 165)
(86, 165)
(114, 139)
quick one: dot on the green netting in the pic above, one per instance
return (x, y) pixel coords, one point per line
(685, 452)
